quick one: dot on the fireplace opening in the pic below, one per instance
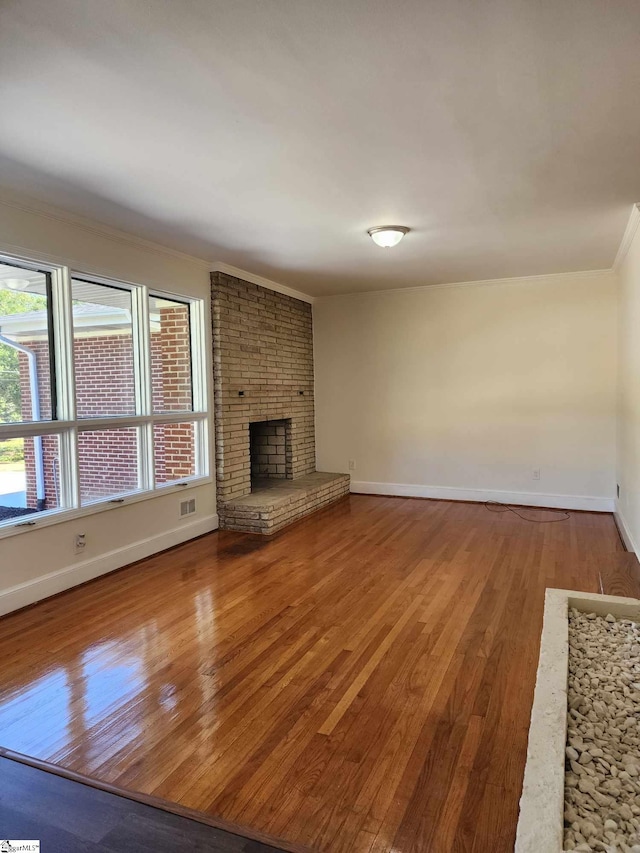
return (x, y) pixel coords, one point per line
(270, 447)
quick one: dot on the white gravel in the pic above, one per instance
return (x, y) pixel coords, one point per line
(602, 778)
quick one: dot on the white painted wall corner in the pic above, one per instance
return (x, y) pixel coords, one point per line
(625, 532)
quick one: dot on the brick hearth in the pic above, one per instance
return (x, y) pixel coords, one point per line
(275, 503)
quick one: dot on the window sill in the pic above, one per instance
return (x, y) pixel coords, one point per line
(51, 517)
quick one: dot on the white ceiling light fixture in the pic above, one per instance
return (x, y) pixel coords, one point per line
(387, 235)
(15, 283)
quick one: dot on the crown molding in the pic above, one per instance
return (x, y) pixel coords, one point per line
(30, 205)
(40, 209)
(627, 237)
(236, 272)
(489, 282)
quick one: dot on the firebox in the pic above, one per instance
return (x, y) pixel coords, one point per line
(270, 447)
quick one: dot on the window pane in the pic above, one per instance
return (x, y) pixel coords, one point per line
(170, 355)
(25, 362)
(108, 463)
(29, 476)
(174, 446)
(102, 350)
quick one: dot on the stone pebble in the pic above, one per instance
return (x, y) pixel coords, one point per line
(602, 771)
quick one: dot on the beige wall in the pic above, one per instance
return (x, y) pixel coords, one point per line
(449, 391)
(628, 463)
(462, 391)
(41, 561)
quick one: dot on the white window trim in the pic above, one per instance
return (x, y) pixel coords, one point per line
(68, 426)
(58, 516)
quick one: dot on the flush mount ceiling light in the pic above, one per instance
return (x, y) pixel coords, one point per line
(387, 235)
(15, 283)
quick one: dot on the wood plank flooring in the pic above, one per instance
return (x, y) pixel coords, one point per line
(69, 816)
(361, 682)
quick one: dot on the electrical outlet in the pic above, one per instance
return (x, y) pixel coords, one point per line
(80, 543)
(536, 473)
(352, 464)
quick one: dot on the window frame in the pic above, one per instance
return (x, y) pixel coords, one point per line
(44, 270)
(153, 294)
(136, 342)
(68, 426)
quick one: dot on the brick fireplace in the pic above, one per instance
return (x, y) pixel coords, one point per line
(264, 408)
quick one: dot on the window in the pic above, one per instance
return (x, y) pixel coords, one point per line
(27, 485)
(170, 355)
(103, 350)
(102, 392)
(25, 345)
(175, 451)
(108, 463)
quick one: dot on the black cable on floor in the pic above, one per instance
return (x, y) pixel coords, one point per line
(508, 508)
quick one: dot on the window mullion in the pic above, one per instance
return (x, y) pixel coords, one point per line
(200, 387)
(143, 389)
(198, 362)
(146, 474)
(201, 448)
(31, 429)
(178, 417)
(113, 422)
(141, 349)
(63, 344)
(65, 387)
(68, 469)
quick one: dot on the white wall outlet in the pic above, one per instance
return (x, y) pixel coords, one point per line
(79, 543)
(352, 464)
(536, 473)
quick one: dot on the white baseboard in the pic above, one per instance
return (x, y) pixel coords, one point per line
(623, 527)
(451, 493)
(46, 585)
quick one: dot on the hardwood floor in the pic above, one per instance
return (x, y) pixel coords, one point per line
(362, 682)
(68, 815)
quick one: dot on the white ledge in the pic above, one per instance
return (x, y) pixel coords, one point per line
(541, 821)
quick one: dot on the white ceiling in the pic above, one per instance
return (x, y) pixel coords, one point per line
(270, 134)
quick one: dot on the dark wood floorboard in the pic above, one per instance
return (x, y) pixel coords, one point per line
(69, 817)
(361, 682)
